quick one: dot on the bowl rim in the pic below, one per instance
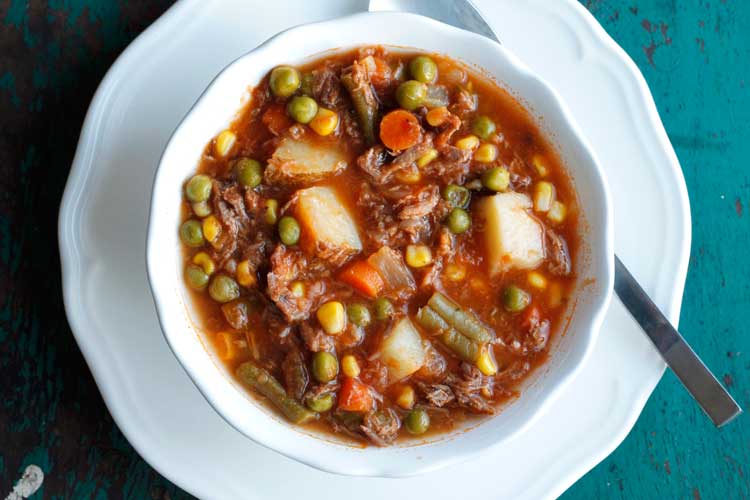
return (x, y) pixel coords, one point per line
(599, 302)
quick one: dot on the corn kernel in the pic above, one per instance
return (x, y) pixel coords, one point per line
(540, 164)
(486, 362)
(325, 122)
(298, 289)
(426, 158)
(207, 264)
(332, 317)
(349, 366)
(418, 255)
(272, 211)
(537, 280)
(245, 276)
(201, 209)
(554, 294)
(486, 392)
(406, 398)
(225, 142)
(544, 196)
(211, 228)
(557, 212)
(455, 272)
(229, 345)
(469, 143)
(437, 116)
(486, 153)
(409, 176)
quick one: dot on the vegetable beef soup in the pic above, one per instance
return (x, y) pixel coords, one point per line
(380, 245)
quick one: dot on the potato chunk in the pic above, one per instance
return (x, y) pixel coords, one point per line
(328, 229)
(513, 237)
(402, 351)
(297, 160)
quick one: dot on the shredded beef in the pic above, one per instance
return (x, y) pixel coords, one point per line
(288, 265)
(447, 129)
(375, 374)
(372, 163)
(464, 103)
(276, 326)
(296, 376)
(557, 251)
(381, 427)
(229, 207)
(315, 338)
(437, 395)
(451, 167)
(467, 389)
(326, 86)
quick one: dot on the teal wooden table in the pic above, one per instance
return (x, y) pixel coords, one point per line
(695, 55)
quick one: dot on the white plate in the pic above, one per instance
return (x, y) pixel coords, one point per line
(103, 227)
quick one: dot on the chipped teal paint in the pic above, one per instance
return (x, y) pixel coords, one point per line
(695, 56)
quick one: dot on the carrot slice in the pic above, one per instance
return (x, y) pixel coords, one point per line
(354, 396)
(364, 278)
(399, 130)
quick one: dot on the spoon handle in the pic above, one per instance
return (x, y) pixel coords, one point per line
(715, 401)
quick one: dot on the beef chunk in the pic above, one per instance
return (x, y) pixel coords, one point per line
(468, 386)
(557, 252)
(288, 265)
(315, 338)
(437, 395)
(381, 426)
(296, 376)
(326, 86)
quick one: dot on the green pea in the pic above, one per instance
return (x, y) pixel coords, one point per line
(458, 220)
(196, 277)
(284, 81)
(198, 188)
(383, 309)
(515, 299)
(325, 366)
(496, 179)
(191, 233)
(456, 196)
(321, 403)
(249, 172)
(289, 230)
(483, 126)
(302, 109)
(359, 314)
(201, 209)
(417, 421)
(423, 69)
(411, 94)
(223, 289)
(271, 214)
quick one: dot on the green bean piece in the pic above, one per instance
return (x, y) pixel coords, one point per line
(359, 314)
(423, 69)
(271, 214)
(289, 230)
(463, 347)
(431, 321)
(410, 94)
(496, 179)
(322, 403)
(417, 421)
(249, 172)
(306, 85)
(515, 299)
(458, 221)
(365, 104)
(198, 188)
(262, 381)
(463, 321)
(456, 196)
(325, 366)
(383, 309)
(196, 277)
(191, 233)
(223, 289)
(302, 108)
(483, 126)
(284, 81)
(201, 209)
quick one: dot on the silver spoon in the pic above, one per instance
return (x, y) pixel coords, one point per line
(715, 401)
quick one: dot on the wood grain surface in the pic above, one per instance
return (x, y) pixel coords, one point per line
(695, 55)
